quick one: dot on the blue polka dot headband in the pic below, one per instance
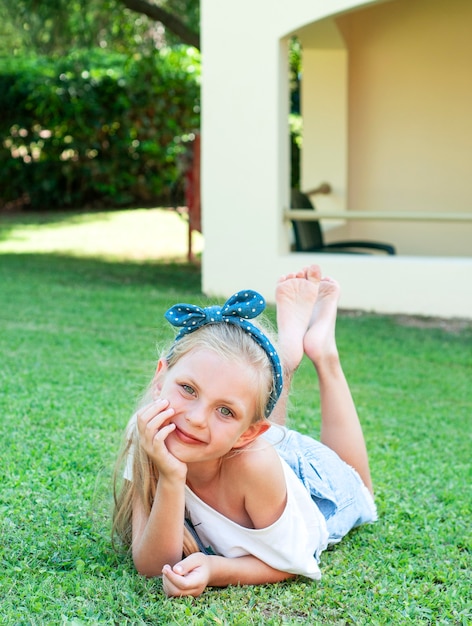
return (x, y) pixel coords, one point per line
(241, 307)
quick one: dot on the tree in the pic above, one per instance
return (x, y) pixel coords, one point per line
(187, 33)
(54, 27)
(98, 103)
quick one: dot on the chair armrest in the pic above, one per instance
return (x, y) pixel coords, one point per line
(367, 245)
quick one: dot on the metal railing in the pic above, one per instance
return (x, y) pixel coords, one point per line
(305, 215)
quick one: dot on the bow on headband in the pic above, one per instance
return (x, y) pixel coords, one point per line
(241, 307)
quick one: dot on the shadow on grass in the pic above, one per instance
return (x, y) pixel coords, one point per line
(60, 268)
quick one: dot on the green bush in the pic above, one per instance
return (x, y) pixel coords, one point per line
(95, 129)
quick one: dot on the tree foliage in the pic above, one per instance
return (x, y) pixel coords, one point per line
(55, 27)
(98, 97)
(95, 129)
(169, 14)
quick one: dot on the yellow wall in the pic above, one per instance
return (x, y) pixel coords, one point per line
(325, 116)
(410, 125)
(409, 103)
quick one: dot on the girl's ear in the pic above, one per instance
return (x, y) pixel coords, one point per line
(158, 378)
(253, 432)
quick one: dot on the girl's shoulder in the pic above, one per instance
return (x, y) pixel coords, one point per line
(249, 463)
(255, 455)
(256, 473)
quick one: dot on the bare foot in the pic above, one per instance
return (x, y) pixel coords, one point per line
(319, 342)
(295, 296)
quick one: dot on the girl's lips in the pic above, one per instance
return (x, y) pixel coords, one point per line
(186, 437)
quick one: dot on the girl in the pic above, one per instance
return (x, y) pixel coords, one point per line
(207, 475)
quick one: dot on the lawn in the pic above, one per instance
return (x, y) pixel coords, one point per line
(81, 319)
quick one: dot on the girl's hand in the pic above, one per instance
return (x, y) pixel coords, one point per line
(154, 426)
(190, 577)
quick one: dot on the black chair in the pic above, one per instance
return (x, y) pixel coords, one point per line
(309, 236)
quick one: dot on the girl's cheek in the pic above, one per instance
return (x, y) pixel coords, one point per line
(175, 401)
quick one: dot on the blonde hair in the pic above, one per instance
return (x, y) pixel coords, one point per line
(232, 343)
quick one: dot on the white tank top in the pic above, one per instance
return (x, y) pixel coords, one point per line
(291, 544)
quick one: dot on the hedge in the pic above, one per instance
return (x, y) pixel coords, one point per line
(95, 129)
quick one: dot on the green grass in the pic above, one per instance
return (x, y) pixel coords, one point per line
(142, 234)
(78, 342)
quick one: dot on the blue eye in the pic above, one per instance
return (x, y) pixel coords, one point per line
(226, 412)
(188, 389)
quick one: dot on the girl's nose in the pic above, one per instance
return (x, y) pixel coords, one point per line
(196, 417)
